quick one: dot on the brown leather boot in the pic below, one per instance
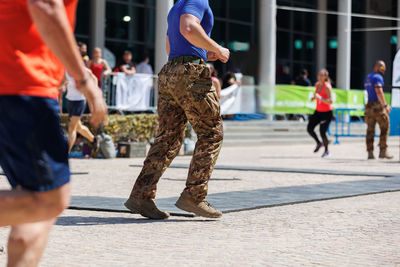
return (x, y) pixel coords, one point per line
(146, 207)
(384, 155)
(200, 208)
(371, 155)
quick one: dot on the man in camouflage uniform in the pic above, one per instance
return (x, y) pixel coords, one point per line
(377, 111)
(185, 94)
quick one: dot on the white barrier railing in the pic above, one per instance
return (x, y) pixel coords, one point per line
(137, 92)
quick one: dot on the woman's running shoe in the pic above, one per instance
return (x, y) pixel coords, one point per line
(326, 154)
(319, 145)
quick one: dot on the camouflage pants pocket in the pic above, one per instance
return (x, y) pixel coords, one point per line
(204, 99)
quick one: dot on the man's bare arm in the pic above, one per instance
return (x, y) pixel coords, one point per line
(191, 29)
(381, 97)
(167, 47)
(380, 94)
(128, 71)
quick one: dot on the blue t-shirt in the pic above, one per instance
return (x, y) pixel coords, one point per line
(179, 46)
(372, 80)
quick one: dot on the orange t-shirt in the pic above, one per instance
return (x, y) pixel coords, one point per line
(27, 66)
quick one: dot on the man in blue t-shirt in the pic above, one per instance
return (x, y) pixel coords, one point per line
(185, 94)
(377, 111)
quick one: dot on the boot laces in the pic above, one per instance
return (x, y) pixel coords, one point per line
(208, 204)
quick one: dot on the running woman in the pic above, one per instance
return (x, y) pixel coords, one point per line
(76, 104)
(36, 42)
(323, 114)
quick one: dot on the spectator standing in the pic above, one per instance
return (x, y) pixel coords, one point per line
(144, 65)
(377, 111)
(215, 80)
(99, 66)
(127, 65)
(229, 79)
(83, 50)
(303, 79)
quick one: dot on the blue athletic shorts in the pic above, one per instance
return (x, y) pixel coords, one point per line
(33, 149)
(76, 108)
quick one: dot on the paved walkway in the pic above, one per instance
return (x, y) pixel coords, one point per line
(354, 231)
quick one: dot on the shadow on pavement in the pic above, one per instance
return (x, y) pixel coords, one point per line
(90, 221)
(287, 157)
(212, 179)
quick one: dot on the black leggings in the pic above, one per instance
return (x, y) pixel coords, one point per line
(324, 119)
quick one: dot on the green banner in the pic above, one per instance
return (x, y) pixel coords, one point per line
(291, 99)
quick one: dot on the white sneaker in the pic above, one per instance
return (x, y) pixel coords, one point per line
(326, 154)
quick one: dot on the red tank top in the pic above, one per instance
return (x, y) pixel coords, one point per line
(321, 106)
(97, 70)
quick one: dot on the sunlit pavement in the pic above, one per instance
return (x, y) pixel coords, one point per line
(343, 211)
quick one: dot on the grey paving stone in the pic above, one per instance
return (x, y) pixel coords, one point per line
(252, 199)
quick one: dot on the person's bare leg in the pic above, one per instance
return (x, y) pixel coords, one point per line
(72, 130)
(27, 243)
(85, 132)
(20, 207)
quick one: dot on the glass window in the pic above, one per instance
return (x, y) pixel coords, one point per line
(83, 18)
(283, 45)
(135, 2)
(283, 19)
(130, 25)
(219, 31)
(239, 33)
(305, 3)
(304, 22)
(219, 8)
(299, 48)
(296, 37)
(125, 22)
(241, 10)
(150, 27)
(284, 2)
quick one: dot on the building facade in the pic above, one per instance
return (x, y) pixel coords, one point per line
(263, 35)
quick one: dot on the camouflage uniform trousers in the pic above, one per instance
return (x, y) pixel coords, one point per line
(185, 94)
(375, 113)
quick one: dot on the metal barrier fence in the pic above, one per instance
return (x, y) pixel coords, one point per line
(109, 88)
(343, 120)
(241, 101)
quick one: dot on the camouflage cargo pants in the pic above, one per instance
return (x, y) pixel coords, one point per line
(185, 94)
(375, 113)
